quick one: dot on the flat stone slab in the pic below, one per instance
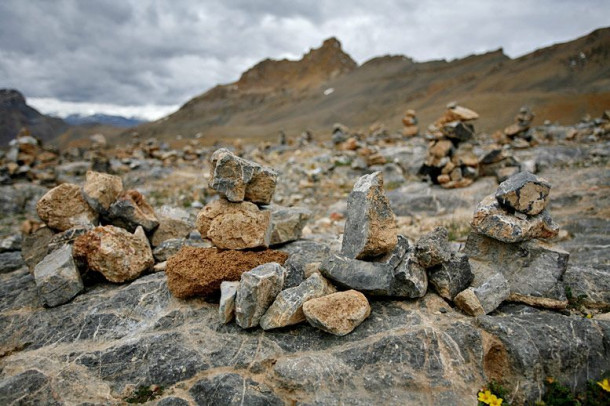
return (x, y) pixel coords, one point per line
(226, 307)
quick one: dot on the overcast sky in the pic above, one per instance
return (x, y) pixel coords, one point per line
(140, 57)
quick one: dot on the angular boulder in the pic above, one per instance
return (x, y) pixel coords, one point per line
(287, 309)
(238, 179)
(451, 277)
(287, 223)
(338, 313)
(485, 298)
(35, 246)
(226, 307)
(433, 248)
(235, 225)
(131, 210)
(257, 290)
(101, 190)
(200, 271)
(370, 227)
(114, 252)
(64, 207)
(493, 221)
(525, 193)
(57, 277)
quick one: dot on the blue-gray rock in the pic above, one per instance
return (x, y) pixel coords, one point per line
(257, 290)
(238, 179)
(170, 247)
(11, 243)
(131, 210)
(228, 389)
(305, 258)
(287, 223)
(57, 277)
(524, 192)
(485, 298)
(29, 387)
(433, 248)
(10, 261)
(370, 227)
(287, 308)
(451, 277)
(459, 131)
(226, 306)
(592, 285)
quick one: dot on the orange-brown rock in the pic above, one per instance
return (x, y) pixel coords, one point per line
(338, 313)
(235, 225)
(63, 207)
(101, 190)
(200, 271)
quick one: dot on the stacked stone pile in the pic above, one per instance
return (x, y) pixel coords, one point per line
(99, 227)
(518, 134)
(508, 258)
(410, 124)
(450, 161)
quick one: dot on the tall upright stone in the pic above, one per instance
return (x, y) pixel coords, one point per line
(57, 277)
(257, 290)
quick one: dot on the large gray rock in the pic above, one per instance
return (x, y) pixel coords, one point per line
(287, 309)
(9, 261)
(170, 247)
(533, 269)
(226, 307)
(304, 260)
(590, 284)
(525, 193)
(492, 220)
(486, 298)
(238, 179)
(451, 277)
(257, 290)
(57, 277)
(338, 313)
(287, 223)
(370, 227)
(130, 211)
(433, 248)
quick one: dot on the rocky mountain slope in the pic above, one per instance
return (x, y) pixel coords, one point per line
(561, 82)
(15, 114)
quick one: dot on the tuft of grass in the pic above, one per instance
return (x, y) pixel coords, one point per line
(145, 394)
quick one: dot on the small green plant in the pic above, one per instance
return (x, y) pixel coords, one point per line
(597, 393)
(574, 302)
(145, 394)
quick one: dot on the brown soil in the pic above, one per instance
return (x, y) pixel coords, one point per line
(199, 271)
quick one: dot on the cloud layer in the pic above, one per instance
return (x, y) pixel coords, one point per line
(138, 53)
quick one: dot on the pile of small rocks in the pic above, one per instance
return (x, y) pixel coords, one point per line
(518, 134)
(451, 161)
(410, 122)
(508, 259)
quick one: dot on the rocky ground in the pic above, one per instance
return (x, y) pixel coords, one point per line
(119, 342)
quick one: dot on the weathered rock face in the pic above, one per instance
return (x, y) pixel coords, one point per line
(370, 227)
(57, 277)
(114, 252)
(485, 298)
(200, 271)
(287, 223)
(338, 313)
(433, 248)
(287, 308)
(63, 207)
(35, 246)
(101, 190)
(131, 210)
(525, 193)
(226, 307)
(409, 278)
(593, 285)
(235, 225)
(257, 290)
(304, 260)
(451, 277)
(171, 247)
(170, 228)
(492, 220)
(238, 179)
(533, 269)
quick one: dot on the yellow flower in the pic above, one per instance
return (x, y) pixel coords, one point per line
(485, 397)
(589, 316)
(605, 384)
(495, 401)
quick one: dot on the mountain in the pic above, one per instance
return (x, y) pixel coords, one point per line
(561, 83)
(15, 114)
(103, 119)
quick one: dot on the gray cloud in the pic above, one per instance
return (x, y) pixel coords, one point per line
(135, 52)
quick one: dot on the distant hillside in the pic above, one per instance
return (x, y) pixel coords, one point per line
(103, 119)
(561, 82)
(15, 114)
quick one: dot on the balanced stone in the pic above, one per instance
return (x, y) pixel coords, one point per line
(524, 192)
(64, 207)
(492, 220)
(287, 223)
(235, 225)
(238, 179)
(370, 227)
(287, 309)
(338, 313)
(57, 277)
(484, 299)
(101, 190)
(114, 252)
(226, 307)
(433, 248)
(173, 223)
(451, 277)
(131, 210)
(200, 271)
(257, 290)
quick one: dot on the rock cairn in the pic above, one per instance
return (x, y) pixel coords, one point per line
(518, 133)
(450, 161)
(508, 258)
(409, 121)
